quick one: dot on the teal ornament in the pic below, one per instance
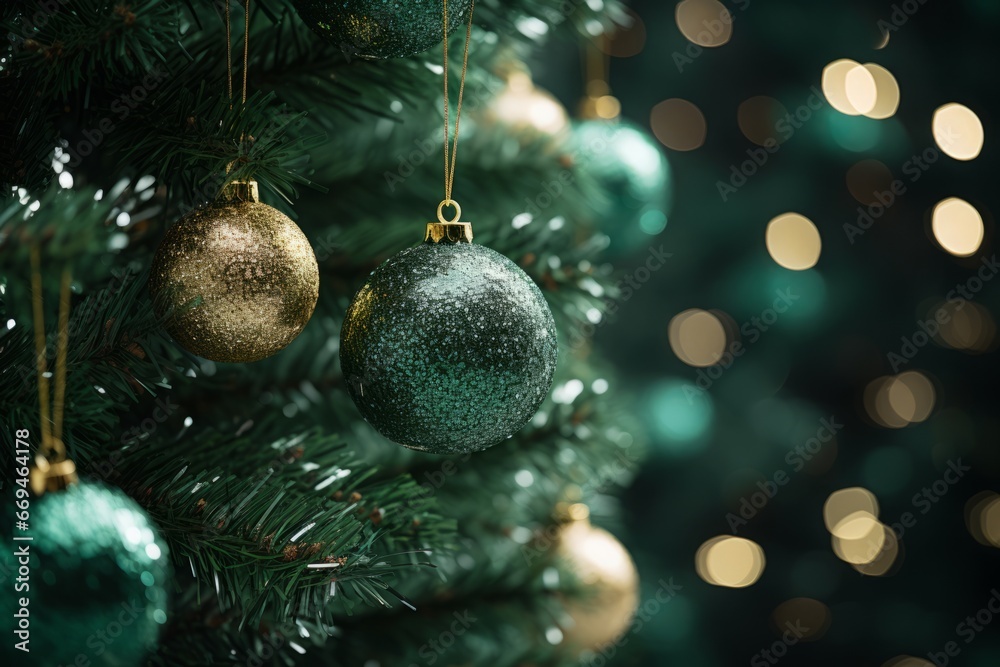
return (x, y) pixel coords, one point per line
(96, 577)
(632, 172)
(382, 28)
(449, 347)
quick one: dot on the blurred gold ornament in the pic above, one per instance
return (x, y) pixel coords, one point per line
(521, 105)
(604, 566)
(239, 275)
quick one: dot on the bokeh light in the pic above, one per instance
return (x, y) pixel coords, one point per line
(732, 562)
(982, 518)
(681, 415)
(793, 241)
(704, 22)
(907, 661)
(758, 118)
(887, 559)
(834, 84)
(678, 124)
(811, 617)
(860, 89)
(967, 326)
(957, 226)
(697, 337)
(958, 132)
(866, 179)
(521, 104)
(901, 400)
(887, 92)
(844, 503)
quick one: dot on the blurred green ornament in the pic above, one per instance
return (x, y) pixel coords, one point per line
(94, 578)
(633, 173)
(381, 28)
(449, 347)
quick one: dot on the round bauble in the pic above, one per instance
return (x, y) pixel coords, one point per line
(448, 348)
(238, 277)
(381, 28)
(604, 612)
(97, 573)
(630, 169)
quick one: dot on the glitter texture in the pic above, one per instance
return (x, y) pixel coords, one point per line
(98, 580)
(254, 272)
(449, 348)
(381, 28)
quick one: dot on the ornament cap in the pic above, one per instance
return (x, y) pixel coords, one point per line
(53, 476)
(448, 232)
(241, 191)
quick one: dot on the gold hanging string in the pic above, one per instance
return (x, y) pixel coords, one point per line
(451, 149)
(62, 345)
(51, 423)
(246, 46)
(229, 57)
(229, 49)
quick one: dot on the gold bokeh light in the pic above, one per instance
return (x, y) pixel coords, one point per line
(958, 132)
(845, 503)
(900, 400)
(907, 661)
(758, 118)
(957, 227)
(793, 241)
(834, 84)
(982, 516)
(811, 617)
(887, 92)
(697, 337)
(860, 89)
(731, 562)
(678, 124)
(704, 22)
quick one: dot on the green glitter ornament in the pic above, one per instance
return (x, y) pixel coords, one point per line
(449, 347)
(96, 581)
(381, 28)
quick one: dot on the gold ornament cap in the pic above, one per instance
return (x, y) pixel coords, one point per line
(448, 231)
(241, 191)
(54, 476)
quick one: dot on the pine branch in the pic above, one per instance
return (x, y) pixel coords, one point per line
(266, 543)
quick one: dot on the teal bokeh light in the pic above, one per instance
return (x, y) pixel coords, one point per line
(681, 415)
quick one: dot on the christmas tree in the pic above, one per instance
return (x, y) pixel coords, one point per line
(246, 513)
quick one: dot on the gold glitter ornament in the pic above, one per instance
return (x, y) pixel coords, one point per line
(239, 275)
